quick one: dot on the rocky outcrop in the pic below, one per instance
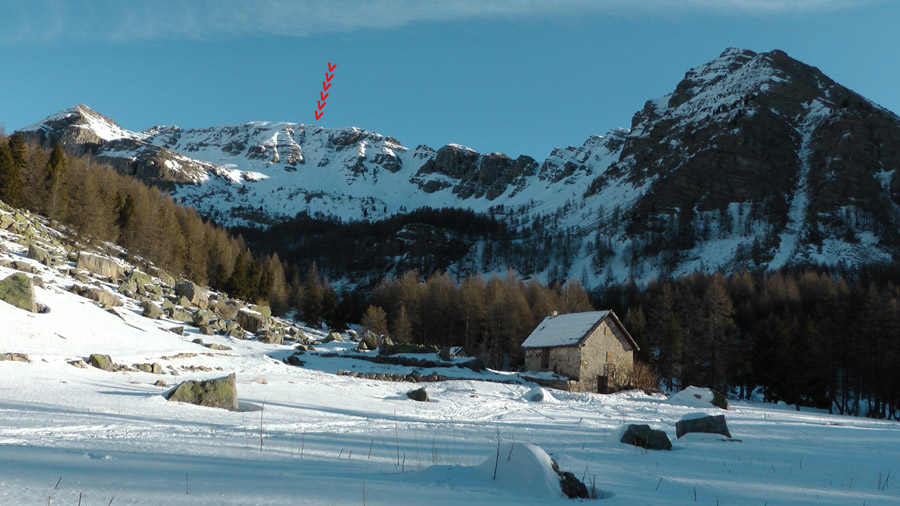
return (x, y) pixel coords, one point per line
(215, 393)
(478, 175)
(18, 290)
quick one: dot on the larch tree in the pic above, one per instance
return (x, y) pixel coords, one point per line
(375, 320)
(402, 327)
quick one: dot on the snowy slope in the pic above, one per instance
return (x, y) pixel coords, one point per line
(308, 436)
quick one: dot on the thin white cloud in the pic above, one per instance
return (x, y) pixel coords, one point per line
(37, 21)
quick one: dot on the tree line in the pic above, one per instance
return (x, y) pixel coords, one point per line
(489, 318)
(804, 337)
(97, 204)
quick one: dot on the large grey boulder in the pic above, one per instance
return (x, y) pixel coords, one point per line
(645, 437)
(102, 266)
(140, 279)
(703, 424)
(216, 393)
(18, 290)
(103, 362)
(179, 314)
(251, 321)
(150, 310)
(227, 309)
(104, 297)
(198, 296)
(271, 337)
(202, 317)
(36, 253)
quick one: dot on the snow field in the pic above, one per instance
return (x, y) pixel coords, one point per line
(308, 436)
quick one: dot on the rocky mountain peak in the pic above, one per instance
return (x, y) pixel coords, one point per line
(754, 160)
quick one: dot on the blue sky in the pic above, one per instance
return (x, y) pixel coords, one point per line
(517, 76)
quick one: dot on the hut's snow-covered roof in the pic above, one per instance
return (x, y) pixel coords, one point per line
(564, 330)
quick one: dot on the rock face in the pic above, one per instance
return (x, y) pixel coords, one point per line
(18, 290)
(216, 393)
(647, 438)
(102, 266)
(706, 424)
(196, 295)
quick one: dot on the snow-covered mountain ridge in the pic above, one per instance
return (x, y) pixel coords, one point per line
(754, 160)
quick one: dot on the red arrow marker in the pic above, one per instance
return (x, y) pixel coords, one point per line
(325, 85)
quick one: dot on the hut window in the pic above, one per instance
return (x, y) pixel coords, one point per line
(609, 356)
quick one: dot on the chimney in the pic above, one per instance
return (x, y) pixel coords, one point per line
(553, 314)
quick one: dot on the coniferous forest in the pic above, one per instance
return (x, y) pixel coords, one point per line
(815, 337)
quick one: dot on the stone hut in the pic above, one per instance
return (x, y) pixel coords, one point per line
(592, 349)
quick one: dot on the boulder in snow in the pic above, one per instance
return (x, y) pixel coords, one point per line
(150, 310)
(18, 290)
(215, 393)
(645, 437)
(193, 293)
(36, 253)
(251, 321)
(14, 357)
(700, 422)
(103, 362)
(102, 266)
(418, 394)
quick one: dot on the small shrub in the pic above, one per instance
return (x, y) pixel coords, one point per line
(644, 377)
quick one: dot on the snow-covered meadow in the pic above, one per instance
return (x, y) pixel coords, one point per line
(72, 435)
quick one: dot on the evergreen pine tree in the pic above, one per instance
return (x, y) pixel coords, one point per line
(10, 177)
(55, 181)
